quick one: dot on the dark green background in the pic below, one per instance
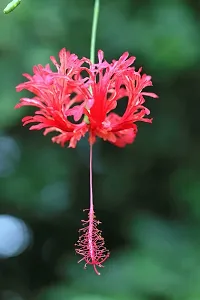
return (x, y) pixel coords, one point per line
(147, 195)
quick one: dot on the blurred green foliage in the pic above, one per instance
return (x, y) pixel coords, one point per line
(147, 195)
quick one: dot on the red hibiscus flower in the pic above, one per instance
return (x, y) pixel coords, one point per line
(64, 96)
(76, 99)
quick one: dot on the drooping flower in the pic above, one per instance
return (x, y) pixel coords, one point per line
(76, 99)
(65, 93)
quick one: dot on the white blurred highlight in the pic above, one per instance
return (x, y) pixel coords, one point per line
(14, 236)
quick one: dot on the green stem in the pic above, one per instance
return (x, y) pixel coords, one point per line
(94, 30)
(93, 40)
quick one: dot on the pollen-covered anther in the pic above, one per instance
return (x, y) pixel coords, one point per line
(90, 244)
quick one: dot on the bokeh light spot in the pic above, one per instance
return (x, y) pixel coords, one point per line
(9, 155)
(15, 236)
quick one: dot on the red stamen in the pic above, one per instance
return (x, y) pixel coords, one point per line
(90, 243)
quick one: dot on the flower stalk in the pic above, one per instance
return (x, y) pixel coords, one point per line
(94, 30)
